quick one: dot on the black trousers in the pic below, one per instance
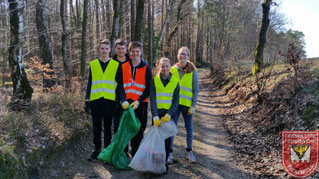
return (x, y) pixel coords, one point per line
(141, 114)
(102, 109)
(168, 140)
(117, 113)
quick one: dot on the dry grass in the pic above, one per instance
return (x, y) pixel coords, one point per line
(286, 106)
(53, 121)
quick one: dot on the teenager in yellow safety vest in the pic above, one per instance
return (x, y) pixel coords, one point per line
(104, 83)
(164, 97)
(185, 72)
(136, 82)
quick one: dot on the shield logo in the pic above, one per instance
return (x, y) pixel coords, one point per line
(299, 150)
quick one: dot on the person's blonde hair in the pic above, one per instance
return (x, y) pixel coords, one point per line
(160, 62)
(104, 41)
(186, 49)
(190, 67)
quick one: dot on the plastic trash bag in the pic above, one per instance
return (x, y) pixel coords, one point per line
(114, 154)
(150, 156)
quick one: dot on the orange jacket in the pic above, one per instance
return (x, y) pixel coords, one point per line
(133, 89)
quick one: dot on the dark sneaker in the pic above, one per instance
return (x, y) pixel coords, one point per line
(93, 156)
(166, 172)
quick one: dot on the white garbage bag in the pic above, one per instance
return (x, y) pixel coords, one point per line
(150, 156)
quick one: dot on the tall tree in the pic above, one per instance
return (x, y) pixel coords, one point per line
(109, 17)
(3, 17)
(116, 20)
(262, 36)
(65, 46)
(139, 21)
(161, 34)
(84, 34)
(97, 18)
(22, 91)
(44, 45)
(78, 12)
(199, 40)
(133, 18)
(150, 32)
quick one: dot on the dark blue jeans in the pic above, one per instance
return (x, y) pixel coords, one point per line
(188, 121)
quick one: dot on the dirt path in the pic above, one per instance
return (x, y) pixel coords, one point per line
(211, 147)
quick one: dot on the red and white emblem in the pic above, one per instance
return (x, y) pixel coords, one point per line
(299, 151)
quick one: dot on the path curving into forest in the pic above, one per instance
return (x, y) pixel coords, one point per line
(211, 147)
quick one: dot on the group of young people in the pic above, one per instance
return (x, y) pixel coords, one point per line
(116, 82)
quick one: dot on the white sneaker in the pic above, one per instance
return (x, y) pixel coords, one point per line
(170, 158)
(190, 156)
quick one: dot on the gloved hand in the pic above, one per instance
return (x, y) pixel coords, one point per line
(156, 121)
(191, 110)
(87, 107)
(125, 105)
(135, 104)
(166, 118)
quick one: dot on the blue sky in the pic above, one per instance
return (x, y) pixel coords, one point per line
(303, 15)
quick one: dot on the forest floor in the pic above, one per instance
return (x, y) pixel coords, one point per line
(212, 147)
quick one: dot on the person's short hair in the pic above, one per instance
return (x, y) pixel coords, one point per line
(135, 44)
(120, 42)
(104, 41)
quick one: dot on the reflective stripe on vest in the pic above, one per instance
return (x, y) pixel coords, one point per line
(103, 84)
(164, 95)
(186, 87)
(133, 89)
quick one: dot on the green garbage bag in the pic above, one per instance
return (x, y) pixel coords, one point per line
(114, 154)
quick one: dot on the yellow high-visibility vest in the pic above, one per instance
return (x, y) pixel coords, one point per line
(164, 95)
(103, 84)
(186, 87)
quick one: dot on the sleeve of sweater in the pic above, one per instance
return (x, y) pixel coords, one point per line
(120, 88)
(153, 99)
(195, 88)
(148, 78)
(88, 88)
(175, 101)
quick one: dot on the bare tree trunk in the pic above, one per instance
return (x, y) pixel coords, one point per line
(175, 29)
(150, 33)
(73, 25)
(199, 43)
(262, 36)
(104, 24)
(22, 91)
(133, 18)
(139, 21)
(179, 18)
(84, 34)
(78, 13)
(127, 20)
(97, 19)
(115, 27)
(4, 54)
(65, 46)
(44, 45)
(121, 16)
(161, 35)
(109, 17)
(91, 42)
